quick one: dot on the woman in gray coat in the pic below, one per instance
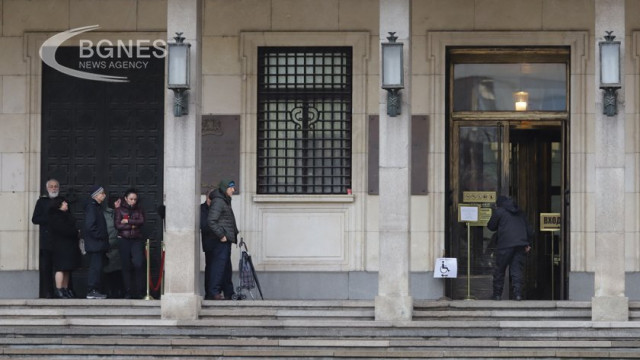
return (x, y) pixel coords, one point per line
(222, 223)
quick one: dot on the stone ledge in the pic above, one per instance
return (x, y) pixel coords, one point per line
(545, 344)
(334, 343)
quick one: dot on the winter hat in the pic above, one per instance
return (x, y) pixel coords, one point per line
(95, 190)
(225, 184)
(501, 200)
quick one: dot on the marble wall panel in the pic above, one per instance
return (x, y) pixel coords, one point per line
(228, 18)
(120, 15)
(564, 15)
(19, 16)
(152, 15)
(12, 169)
(304, 15)
(508, 15)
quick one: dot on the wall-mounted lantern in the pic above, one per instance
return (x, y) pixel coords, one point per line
(393, 73)
(610, 73)
(178, 77)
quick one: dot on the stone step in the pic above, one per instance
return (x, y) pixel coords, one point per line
(130, 329)
(120, 353)
(329, 347)
(477, 310)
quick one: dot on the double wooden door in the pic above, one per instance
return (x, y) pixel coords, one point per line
(109, 134)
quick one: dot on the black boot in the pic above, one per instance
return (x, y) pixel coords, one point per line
(60, 294)
(69, 293)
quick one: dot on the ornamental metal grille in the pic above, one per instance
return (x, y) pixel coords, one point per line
(304, 120)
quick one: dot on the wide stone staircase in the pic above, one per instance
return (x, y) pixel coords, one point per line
(284, 329)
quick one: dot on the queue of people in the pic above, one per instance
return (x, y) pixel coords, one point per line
(112, 242)
(114, 236)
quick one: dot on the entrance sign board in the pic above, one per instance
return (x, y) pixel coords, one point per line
(550, 221)
(484, 214)
(479, 196)
(468, 213)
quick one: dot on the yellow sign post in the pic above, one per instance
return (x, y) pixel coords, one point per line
(468, 214)
(551, 222)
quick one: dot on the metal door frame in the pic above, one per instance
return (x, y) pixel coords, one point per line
(453, 176)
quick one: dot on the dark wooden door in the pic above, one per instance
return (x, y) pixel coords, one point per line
(103, 133)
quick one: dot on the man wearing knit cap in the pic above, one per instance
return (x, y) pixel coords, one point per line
(96, 240)
(222, 222)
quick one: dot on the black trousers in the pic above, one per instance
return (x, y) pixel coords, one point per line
(208, 272)
(514, 258)
(45, 266)
(113, 284)
(132, 254)
(94, 275)
(221, 270)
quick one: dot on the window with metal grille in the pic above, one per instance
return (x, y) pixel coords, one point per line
(304, 120)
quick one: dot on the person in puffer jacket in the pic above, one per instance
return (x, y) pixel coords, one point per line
(222, 223)
(96, 241)
(512, 245)
(129, 218)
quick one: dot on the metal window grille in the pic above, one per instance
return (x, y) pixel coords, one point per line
(304, 120)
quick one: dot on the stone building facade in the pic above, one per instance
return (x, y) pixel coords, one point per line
(378, 233)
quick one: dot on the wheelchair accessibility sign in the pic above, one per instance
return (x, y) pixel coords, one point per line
(446, 268)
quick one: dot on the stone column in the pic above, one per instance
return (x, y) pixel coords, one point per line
(393, 301)
(182, 175)
(609, 302)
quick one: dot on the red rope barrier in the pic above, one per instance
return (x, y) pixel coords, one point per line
(157, 285)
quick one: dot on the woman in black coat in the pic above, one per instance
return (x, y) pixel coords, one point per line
(66, 253)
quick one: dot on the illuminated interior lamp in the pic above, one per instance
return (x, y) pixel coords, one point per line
(521, 97)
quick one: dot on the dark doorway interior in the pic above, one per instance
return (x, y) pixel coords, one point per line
(104, 133)
(522, 160)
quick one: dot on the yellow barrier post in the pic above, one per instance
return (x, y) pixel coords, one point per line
(148, 248)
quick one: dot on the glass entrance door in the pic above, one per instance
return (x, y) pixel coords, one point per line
(526, 162)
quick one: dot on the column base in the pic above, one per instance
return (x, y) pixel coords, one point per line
(390, 308)
(180, 306)
(609, 308)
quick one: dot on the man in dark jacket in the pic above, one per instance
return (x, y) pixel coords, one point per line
(208, 240)
(96, 241)
(222, 223)
(512, 245)
(40, 217)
